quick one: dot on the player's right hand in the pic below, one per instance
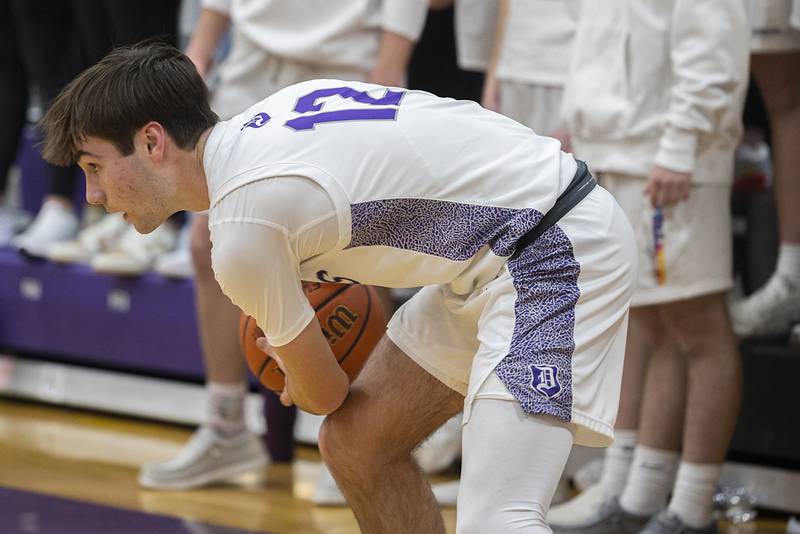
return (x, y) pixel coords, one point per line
(666, 187)
(263, 344)
(285, 396)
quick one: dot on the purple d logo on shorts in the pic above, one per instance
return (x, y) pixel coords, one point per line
(544, 380)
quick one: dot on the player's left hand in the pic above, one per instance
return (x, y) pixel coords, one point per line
(666, 187)
(263, 344)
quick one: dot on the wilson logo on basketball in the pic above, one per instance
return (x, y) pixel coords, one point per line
(338, 323)
(351, 320)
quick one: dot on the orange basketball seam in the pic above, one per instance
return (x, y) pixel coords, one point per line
(331, 297)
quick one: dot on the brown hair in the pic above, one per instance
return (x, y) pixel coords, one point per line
(125, 90)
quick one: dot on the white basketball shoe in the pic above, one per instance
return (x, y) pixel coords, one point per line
(206, 459)
(772, 310)
(55, 222)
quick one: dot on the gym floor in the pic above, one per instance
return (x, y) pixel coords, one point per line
(66, 471)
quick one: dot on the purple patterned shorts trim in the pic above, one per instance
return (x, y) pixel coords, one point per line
(538, 368)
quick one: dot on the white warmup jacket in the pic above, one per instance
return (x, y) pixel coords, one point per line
(537, 42)
(475, 26)
(341, 33)
(659, 82)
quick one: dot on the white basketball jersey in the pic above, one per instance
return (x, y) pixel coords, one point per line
(426, 190)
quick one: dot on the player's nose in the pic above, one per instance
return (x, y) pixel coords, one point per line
(95, 196)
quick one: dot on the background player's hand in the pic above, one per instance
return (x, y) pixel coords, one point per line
(666, 187)
(264, 345)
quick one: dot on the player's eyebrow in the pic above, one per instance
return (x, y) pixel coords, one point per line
(82, 153)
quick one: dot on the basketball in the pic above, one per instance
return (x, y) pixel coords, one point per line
(352, 321)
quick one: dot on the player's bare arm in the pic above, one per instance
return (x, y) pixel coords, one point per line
(314, 380)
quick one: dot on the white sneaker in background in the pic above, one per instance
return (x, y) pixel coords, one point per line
(135, 253)
(588, 475)
(581, 509)
(93, 239)
(326, 492)
(446, 493)
(772, 310)
(206, 459)
(442, 448)
(177, 263)
(12, 221)
(55, 222)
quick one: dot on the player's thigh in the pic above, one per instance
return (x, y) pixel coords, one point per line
(393, 405)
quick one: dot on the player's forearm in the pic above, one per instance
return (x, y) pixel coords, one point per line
(499, 33)
(315, 381)
(210, 27)
(490, 98)
(393, 57)
(318, 393)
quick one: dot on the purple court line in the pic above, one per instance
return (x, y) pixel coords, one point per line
(22, 512)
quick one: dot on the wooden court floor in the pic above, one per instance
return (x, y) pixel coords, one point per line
(94, 458)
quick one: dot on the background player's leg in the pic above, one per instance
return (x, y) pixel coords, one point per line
(237, 449)
(655, 459)
(775, 306)
(510, 468)
(713, 392)
(393, 405)
(218, 318)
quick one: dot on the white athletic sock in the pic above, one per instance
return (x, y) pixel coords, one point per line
(694, 491)
(789, 262)
(650, 480)
(225, 407)
(617, 461)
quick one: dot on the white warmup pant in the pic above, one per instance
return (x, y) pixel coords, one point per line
(511, 464)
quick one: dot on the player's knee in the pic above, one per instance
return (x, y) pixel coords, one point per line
(490, 516)
(698, 324)
(649, 321)
(343, 442)
(330, 441)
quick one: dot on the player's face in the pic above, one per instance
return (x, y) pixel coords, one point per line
(127, 184)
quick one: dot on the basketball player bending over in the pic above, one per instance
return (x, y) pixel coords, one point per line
(527, 267)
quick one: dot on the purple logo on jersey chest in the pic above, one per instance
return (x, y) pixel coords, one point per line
(258, 120)
(544, 380)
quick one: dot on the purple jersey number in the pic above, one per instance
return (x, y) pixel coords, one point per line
(309, 104)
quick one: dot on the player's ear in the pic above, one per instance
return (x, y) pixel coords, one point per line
(154, 139)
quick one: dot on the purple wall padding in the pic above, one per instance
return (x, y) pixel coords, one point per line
(145, 324)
